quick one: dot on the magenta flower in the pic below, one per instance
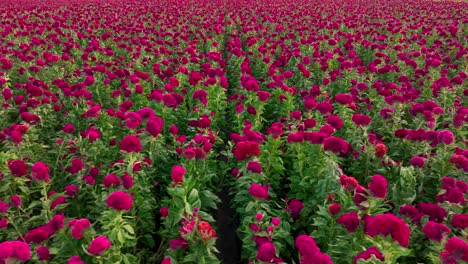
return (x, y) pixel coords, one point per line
(177, 174)
(435, 231)
(130, 143)
(366, 255)
(350, 221)
(259, 191)
(378, 186)
(119, 201)
(18, 168)
(99, 245)
(40, 172)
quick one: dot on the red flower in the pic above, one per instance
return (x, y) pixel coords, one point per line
(435, 231)
(412, 213)
(164, 211)
(130, 143)
(455, 249)
(388, 224)
(348, 183)
(15, 200)
(335, 145)
(40, 172)
(306, 245)
(99, 245)
(206, 231)
(111, 179)
(246, 149)
(43, 253)
(361, 120)
(434, 211)
(18, 168)
(154, 126)
(259, 191)
(266, 252)
(295, 206)
(380, 150)
(460, 221)
(366, 255)
(78, 227)
(15, 249)
(177, 173)
(334, 208)
(378, 186)
(350, 221)
(417, 161)
(254, 166)
(119, 201)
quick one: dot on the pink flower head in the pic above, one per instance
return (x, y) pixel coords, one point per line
(18, 168)
(78, 227)
(306, 245)
(361, 120)
(259, 191)
(366, 255)
(254, 166)
(99, 245)
(335, 145)
(334, 208)
(434, 211)
(119, 201)
(177, 174)
(435, 231)
(246, 149)
(460, 221)
(378, 186)
(350, 221)
(266, 252)
(295, 207)
(130, 143)
(388, 224)
(43, 253)
(15, 249)
(40, 172)
(455, 249)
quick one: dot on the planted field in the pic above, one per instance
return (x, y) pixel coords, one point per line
(217, 131)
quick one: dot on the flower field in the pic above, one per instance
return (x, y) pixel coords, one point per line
(240, 131)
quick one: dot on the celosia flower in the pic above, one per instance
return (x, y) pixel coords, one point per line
(378, 186)
(254, 166)
(350, 221)
(40, 172)
(111, 179)
(361, 120)
(455, 249)
(335, 145)
(206, 231)
(380, 150)
(259, 191)
(266, 252)
(78, 227)
(388, 224)
(334, 208)
(15, 249)
(43, 253)
(15, 200)
(164, 211)
(412, 213)
(246, 149)
(460, 221)
(417, 161)
(366, 255)
(177, 174)
(130, 143)
(295, 206)
(434, 211)
(435, 231)
(119, 201)
(99, 245)
(18, 168)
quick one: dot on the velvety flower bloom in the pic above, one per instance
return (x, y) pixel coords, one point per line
(111, 179)
(18, 168)
(380, 150)
(295, 138)
(75, 260)
(254, 166)
(412, 213)
(360, 196)
(295, 207)
(266, 252)
(206, 231)
(154, 126)
(435, 231)
(132, 120)
(15, 200)
(335, 121)
(58, 201)
(127, 181)
(388, 224)
(344, 99)
(78, 227)
(4, 207)
(99, 245)
(177, 174)
(434, 211)
(350, 221)
(68, 128)
(455, 249)
(3, 223)
(366, 255)
(460, 221)
(378, 186)
(166, 261)
(164, 211)
(15, 249)
(334, 208)
(361, 120)
(259, 191)
(37, 235)
(119, 201)
(317, 258)
(40, 172)
(76, 166)
(417, 161)
(348, 183)
(246, 149)
(130, 143)
(71, 190)
(306, 245)
(43, 253)
(335, 145)
(446, 137)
